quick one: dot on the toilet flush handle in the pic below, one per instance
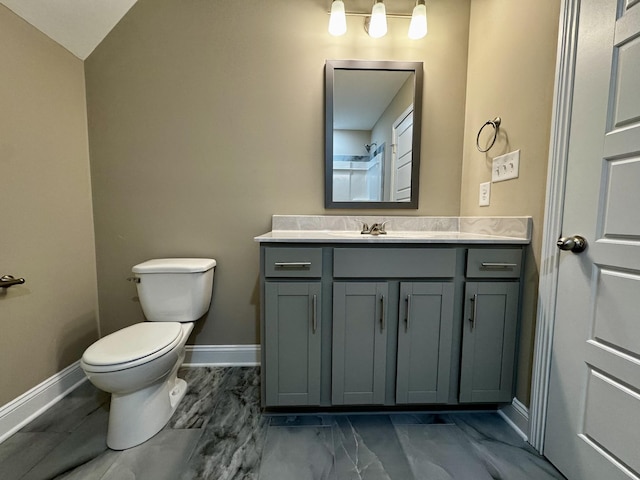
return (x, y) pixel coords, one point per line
(133, 279)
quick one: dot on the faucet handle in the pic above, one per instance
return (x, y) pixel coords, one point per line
(382, 230)
(365, 229)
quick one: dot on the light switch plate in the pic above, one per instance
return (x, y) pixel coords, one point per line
(506, 167)
(485, 194)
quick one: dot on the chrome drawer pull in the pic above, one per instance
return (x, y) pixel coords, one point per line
(382, 313)
(498, 265)
(292, 264)
(406, 319)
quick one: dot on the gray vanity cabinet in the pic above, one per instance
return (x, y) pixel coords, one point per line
(359, 343)
(357, 324)
(425, 331)
(292, 326)
(490, 325)
(292, 331)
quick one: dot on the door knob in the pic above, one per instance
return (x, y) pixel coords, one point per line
(574, 243)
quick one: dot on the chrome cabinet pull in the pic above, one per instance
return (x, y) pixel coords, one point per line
(498, 265)
(314, 313)
(7, 281)
(474, 310)
(381, 313)
(406, 318)
(292, 264)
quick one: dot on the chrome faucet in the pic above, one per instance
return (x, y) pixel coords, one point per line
(375, 229)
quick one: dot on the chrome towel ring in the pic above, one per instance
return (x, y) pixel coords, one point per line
(495, 123)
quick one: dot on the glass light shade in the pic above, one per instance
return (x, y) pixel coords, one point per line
(338, 19)
(418, 25)
(378, 23)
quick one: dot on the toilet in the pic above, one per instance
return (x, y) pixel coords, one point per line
(139, 364)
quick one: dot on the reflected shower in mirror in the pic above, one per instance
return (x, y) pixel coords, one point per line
(373, 112)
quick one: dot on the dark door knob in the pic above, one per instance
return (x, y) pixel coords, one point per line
(575, 243)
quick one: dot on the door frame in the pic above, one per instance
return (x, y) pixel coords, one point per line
(553, 217)
(394, 150)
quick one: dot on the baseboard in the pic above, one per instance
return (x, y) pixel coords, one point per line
(222, 355)
(17, 413)
(517, 416)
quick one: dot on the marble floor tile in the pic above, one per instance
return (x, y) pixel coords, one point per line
(503, 452)
(203, 392)
(231, 444)
(70, 411)
(220, 433)
(440, 452)
(22, 451)
(298, 453)
(368, 448)
(78, 447)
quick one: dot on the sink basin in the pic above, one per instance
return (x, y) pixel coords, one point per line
(389, 235)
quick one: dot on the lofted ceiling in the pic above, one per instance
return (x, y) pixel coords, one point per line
(77, 25)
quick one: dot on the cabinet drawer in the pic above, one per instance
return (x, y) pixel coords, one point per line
(394, 262)
(494, 263)
(293, 262)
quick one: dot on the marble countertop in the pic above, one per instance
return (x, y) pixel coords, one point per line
(409, 230)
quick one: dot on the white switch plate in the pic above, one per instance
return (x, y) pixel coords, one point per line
(506, 167)
(485, 194)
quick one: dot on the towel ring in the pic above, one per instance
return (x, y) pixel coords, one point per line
(495, 123)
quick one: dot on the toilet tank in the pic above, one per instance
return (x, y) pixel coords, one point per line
(175, 289)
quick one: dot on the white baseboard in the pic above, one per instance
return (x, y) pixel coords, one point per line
(222, 355)
(517, 416)
(17, 413)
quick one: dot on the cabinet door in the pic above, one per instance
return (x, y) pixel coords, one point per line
(424, 342)
(292, 343)
(359, 343)
(489, 342)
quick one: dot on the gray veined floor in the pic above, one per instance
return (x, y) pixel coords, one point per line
(219, 433)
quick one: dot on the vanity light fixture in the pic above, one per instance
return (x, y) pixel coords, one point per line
(378, 22)
(375, 22)
(418, 25)
(338, 19)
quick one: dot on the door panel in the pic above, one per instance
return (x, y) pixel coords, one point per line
(359, 343)
(592, 427)
(424, 342)
(292, 343)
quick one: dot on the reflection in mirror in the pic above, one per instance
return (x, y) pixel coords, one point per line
(373, 112)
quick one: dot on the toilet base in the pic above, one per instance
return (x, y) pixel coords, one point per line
(137, 416)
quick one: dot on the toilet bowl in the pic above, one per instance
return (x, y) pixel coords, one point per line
(139, 364)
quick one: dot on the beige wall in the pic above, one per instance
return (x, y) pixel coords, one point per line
(45, 215)
(205, 118)
(512, 51)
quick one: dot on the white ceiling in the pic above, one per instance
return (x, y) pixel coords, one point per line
(77, 25)
(361, 96)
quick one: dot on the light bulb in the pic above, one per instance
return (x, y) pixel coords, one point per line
(338, 19)
(418, 25)
(378, 23)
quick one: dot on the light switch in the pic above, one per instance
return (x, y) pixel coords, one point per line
(506, 167)
(485, 194)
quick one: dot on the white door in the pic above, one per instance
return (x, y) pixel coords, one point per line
(403, 143)
(593, 417)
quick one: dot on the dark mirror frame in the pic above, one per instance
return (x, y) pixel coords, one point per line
(330, 67)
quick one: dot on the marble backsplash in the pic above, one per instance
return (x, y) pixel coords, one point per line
(519, 227)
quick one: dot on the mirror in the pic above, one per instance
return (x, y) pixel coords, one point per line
(372, 133)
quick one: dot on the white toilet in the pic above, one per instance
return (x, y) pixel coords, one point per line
(138, 365)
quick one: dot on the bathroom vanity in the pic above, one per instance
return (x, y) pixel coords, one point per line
(426, 314)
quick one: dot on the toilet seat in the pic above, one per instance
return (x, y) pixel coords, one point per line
(132, 346)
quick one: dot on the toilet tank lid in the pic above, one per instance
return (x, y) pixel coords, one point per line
(175, 265)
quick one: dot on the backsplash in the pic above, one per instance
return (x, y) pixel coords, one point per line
(519, 227)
